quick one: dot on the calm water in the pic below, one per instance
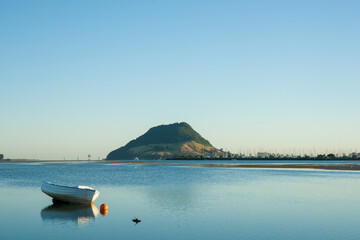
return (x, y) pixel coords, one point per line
(181, 202)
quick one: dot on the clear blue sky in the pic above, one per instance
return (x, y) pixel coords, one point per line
(80, 77)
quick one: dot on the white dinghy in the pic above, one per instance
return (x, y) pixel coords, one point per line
(79, 194)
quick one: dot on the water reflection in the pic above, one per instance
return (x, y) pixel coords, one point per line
(69, 213)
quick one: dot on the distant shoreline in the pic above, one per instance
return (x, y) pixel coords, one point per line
(187, 159)
(18, 160)
(319, 166)
(268, 159)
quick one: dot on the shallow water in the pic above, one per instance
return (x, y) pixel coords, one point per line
(181, 202)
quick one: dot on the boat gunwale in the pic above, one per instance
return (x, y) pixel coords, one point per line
(77, 188)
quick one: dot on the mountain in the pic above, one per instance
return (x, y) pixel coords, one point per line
(177, 139)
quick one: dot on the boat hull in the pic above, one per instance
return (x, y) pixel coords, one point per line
(69, 194)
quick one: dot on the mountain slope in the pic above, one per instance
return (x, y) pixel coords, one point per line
(164, 141)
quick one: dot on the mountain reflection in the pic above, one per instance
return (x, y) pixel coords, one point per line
(69, 213)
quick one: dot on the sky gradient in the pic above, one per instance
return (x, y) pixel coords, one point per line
(80, 77)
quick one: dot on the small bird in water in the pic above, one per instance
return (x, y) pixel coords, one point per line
(136, 220)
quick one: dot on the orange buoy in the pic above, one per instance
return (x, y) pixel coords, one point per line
(104, 212)
(104, 209)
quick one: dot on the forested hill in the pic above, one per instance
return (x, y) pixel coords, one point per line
(177, 139)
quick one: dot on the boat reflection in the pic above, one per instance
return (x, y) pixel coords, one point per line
(66, 213)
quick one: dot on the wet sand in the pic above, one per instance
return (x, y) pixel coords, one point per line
(349, 167)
